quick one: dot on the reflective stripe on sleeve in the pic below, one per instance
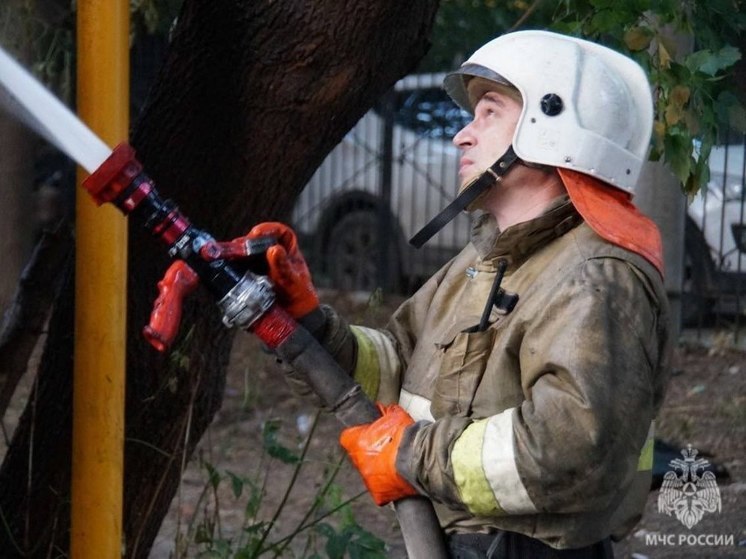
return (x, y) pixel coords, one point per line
(485, 470)
(468, 472)
(377, 369)
(646, 454)
(417, 406)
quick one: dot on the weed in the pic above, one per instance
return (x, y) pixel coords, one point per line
(327, 527)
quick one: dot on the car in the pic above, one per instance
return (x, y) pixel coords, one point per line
(715, 241)
(397, 168)
(394, 171)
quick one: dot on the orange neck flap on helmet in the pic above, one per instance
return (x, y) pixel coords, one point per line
(612, 215)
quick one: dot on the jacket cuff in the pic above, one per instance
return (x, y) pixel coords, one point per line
(423, 458)
(314, 322)
(406, 454)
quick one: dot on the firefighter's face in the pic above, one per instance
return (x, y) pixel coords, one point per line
(485, 139)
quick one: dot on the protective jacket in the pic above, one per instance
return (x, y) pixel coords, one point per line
(542, 423)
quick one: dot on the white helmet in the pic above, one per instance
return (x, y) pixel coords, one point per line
(585, 107)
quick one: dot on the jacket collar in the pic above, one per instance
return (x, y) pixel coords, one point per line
(519, 241)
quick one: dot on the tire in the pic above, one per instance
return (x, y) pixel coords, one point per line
(352, 253)
(696, 299)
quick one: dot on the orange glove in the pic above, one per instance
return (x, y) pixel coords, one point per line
(372, 447)
(287, 267)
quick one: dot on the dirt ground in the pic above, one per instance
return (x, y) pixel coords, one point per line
(705, 407)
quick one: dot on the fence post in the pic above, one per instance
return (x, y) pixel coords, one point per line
(385, 268)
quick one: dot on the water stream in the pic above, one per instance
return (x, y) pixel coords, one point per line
(31, 103)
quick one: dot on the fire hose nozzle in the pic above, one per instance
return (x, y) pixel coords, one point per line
(114, 176)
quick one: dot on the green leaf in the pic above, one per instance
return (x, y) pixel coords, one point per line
(365, 545)
(255, 528)
(244, 553)
(212, 475)
(272, 445)
(336, 542)
(325, 529)
(679, 155)
(710, 63)
(237, 484)
(337, 545)
(204, 533)
(604, 21)
(254, 502)
(221, 549)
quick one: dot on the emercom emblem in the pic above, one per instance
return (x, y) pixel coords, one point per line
(686, 492)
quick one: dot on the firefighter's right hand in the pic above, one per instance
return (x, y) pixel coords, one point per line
(287, 269)
(372, 448)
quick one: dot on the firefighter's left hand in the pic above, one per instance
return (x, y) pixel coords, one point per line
(373, 448)
(287, 266)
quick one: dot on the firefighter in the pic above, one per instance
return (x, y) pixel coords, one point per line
(519, 385)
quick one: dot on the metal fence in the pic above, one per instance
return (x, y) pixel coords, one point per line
(390, 174)
(398, 167)
(714, 291)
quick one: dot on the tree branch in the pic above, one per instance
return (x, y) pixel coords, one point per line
(24, 320)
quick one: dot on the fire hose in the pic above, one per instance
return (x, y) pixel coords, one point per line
(246, 301)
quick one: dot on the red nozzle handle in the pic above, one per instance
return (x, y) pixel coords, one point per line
(180, 280)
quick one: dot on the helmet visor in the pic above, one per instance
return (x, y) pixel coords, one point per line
(455, 83)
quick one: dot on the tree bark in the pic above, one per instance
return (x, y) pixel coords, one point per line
(16, 148)
(251, 97)
(16, 204)
(27, 313)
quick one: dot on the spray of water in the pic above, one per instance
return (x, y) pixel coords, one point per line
(31, 103)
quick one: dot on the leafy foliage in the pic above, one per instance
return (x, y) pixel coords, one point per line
(328, 524)
(46, 41)
(347, 537)
(154, 17)
(687, 49)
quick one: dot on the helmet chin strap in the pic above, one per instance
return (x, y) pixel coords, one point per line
(473, 190)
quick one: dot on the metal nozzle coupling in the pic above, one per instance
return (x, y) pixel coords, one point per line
(249, 299)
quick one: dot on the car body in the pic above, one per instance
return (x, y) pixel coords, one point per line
(715, 241)
(354, 196)
(719, 209)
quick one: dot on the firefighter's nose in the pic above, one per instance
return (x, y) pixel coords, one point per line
(464, 138)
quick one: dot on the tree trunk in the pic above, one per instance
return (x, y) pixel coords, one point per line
(251, 98)
(16, 203)
(16, 148)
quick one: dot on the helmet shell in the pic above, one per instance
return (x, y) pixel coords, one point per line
(585, 107)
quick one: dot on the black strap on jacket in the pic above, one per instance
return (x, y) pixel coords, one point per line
(480, 185)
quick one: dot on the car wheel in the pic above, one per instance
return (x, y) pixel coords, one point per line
(696, 301)
(352, 253)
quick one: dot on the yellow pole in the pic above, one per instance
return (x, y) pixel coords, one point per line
(100, 294)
